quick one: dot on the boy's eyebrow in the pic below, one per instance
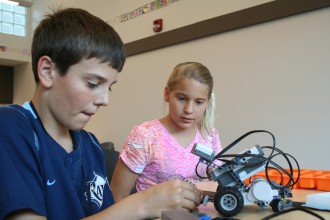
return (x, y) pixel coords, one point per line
(99, 77)
(95, 75)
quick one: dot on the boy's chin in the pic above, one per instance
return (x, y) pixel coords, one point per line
(78, 126)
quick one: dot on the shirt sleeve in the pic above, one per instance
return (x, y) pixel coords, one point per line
(216, 145)
(216, 141)
(21, 181)
(136, 149)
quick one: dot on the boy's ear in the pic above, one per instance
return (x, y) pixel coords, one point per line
(45, 71)
(166, 94)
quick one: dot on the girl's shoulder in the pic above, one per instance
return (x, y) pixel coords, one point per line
(150, 124)
(149, 127)
(145, 134)
(214, 133)
(208, 139)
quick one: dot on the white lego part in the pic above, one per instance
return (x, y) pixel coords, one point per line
(247, 200)
(252, 150)
(243, 175)
(260, 191)
(204, 149)
(275, 193)
(250, 197)
(205, 200)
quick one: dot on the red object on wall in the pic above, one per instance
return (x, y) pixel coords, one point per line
(158, 25)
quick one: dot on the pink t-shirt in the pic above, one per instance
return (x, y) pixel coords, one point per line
(151, 151)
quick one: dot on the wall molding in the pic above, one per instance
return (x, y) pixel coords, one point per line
(235, 20)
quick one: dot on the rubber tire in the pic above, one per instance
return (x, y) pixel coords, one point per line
(277, 205)
(228, 201)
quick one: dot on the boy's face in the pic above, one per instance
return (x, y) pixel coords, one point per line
(76, 97)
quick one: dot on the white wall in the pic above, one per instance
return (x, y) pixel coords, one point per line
(272, 76)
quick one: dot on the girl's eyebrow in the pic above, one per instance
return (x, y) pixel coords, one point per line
(183, 94)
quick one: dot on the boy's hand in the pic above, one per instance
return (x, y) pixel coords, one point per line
(173, 194)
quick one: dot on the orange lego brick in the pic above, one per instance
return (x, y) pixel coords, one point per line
(307, 181)
(323, 182)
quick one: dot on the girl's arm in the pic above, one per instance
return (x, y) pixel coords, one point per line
(123, 181)
(25, 214)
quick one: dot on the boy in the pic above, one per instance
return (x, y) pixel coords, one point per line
(50, 167)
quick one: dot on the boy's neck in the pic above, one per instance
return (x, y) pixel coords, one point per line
(61, 135)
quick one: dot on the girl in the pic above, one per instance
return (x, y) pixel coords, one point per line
(159, 150)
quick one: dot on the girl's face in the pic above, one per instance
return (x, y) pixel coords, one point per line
(77, 96)
(187, 103)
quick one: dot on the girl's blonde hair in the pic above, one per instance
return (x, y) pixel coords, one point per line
(199, 72)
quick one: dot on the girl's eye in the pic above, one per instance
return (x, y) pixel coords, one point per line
(181, 98)
(92, 85)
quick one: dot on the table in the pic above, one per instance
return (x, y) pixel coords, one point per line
(255, 213)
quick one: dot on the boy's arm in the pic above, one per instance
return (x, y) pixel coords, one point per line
(20, 169)
(173, 194)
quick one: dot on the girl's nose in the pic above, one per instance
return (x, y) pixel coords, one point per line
(188, 107)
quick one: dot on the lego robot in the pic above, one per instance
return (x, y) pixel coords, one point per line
(232, 192)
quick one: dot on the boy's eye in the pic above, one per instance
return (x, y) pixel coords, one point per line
(92, 85)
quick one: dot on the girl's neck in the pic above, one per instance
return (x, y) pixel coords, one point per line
(183, 136)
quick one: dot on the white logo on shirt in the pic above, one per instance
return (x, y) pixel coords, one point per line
(96, 188)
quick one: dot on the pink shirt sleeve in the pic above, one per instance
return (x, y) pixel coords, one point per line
(135, 152)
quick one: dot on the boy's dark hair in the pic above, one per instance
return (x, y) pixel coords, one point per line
(67, 36)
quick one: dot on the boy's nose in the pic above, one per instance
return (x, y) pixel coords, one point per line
(102, 99)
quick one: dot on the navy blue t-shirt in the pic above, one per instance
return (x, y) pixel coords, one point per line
(37, 173)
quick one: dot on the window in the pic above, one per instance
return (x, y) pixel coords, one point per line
(12, 19)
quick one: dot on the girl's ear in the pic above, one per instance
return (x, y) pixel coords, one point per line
(45, 71)
(166, 94)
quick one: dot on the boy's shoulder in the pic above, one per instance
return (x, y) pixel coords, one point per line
(17, 126)
(12, 112)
